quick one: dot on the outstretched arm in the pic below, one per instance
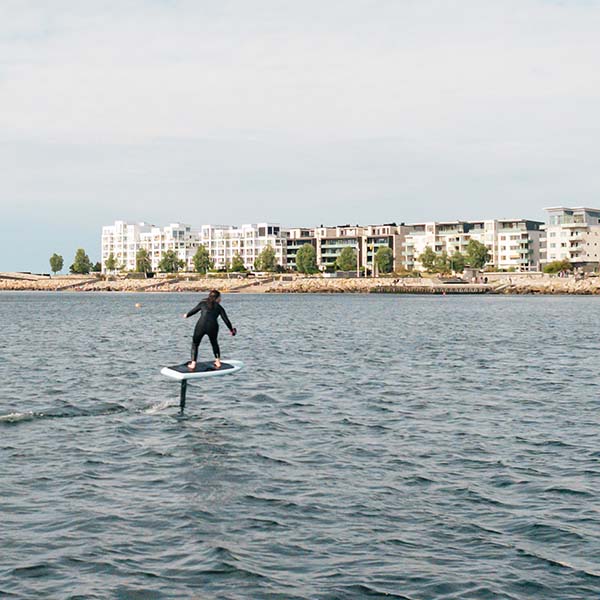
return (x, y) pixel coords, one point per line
(225, 318)
(194, 310)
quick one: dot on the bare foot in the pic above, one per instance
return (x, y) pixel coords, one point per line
(191, 365)
(217, 363)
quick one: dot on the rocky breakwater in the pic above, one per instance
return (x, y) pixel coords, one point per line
(321, 285)
(197, 285)
(504, 284)
(549, 285)
(159, 285)
(89, 283)
(43, 284)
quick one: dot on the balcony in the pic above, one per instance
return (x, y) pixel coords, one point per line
(521, 227)
(572, 222)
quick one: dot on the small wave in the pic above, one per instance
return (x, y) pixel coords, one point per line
(276, 502)
(271, 459)
(362, 590)
(258, 523)
(418, 480)
(546, 443)
(568, 491)
(399, 542)
(262, 398)
(542, 532)
(255, 498)
(31, 571)
(588, 572)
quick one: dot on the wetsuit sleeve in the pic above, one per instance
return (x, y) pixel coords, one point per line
(194, 310)
(225, 318)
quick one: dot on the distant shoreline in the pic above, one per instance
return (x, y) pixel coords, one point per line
(505, 283)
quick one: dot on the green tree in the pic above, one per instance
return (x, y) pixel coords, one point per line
(346, 260)
(170, 262)
(477, 254)
(457, 262)
(266, 260)
(111, 263)
(56, 263)
(237, 264)
(202, 261)
(557, 266)
(97, 267)
(143, 264)
(441, 262)
(427, 259)
(306, 259)
(384, 259)
(81, 264)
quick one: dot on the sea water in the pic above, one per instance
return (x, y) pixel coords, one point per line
(375, 446)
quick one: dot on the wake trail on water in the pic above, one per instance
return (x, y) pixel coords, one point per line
(16, 417)
(156, 408)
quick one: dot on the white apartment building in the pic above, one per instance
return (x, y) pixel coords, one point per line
(572, 234)
(224, 242)
(377, 236)
(124, 239)
(445, 236)
(518, 244)
(512, 243)
(181, 238)
(296, 238)
(332, 240)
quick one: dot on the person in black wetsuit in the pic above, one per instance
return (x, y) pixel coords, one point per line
(211, 310)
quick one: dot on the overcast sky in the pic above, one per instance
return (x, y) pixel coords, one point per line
(298, 112)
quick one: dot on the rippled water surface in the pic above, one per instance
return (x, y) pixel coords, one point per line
(375, 446)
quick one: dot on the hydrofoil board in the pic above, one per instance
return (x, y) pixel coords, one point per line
(203, 369)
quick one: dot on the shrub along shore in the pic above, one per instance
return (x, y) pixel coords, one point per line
(499, 283)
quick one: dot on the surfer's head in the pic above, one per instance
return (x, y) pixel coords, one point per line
(214, 296)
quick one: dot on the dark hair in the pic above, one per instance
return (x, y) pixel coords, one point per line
(212, 297)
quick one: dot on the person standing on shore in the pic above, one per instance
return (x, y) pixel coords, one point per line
(210, 310)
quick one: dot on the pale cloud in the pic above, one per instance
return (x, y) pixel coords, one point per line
(351, 69)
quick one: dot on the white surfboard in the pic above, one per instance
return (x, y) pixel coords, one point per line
(203, 369)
